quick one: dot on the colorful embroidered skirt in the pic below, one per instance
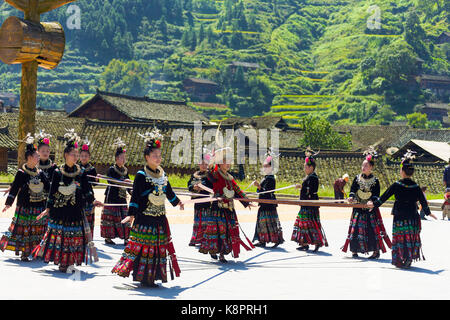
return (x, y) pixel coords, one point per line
(64, 243)
(146, 252)
(25, 232)
(308, 229)
(406, 244)
(89, 211)
(268, 227)
(200, 223)
(111, 223)
(222, 233)
(366, 232)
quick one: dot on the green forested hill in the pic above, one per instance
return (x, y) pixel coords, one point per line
(326, 57)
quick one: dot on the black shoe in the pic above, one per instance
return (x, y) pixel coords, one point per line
(375, 255)
(191, 244)
(276, 244)
(303, 248)
(24, 259)
(149, 284)
(316, 248)
(260, 244)
(214, 256)
(63, 269)
(223, 260)
(109, 241)
(355, 255)
(407, 264)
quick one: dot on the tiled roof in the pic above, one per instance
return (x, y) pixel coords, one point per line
(5, 140)
(264, 122)
(442, 135)
(146, 109)
(53, 123)
(365, 136)
(440, 150)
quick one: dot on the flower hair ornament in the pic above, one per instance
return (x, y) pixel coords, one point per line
(270, 156)
(206, 155)
(119, 144)
(310, 155)
(370, 154)
(86, 144)
(43, 138)
(220, 149)
(29, 139)
(72, 137)
(152, 138)
(407, 158)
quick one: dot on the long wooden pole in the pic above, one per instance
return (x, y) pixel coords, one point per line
(28, 91)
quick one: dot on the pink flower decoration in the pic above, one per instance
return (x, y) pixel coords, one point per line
(207, 157)
(369, 157)
(307, 160)
(46, 141)
(85, 147)
(124, 150)
(268, 159)
(75, 145)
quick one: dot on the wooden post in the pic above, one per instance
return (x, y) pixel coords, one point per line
(28, 90)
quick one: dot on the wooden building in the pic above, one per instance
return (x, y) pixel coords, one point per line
(9, 99)
(201, 88)
(119, 107)
(444, 37)
(263, 122)
(439, 85)
(426, 151)
(435, 111)
(7, 145)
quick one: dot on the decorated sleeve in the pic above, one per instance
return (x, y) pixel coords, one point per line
(129, 190)
(239, 193)
(354, 188)
(385, 196)
(56, 177)
(138, 188)
(86, 189)
(46, 181)
(19, 181)
(313, 186)
(375, 191)
(171, 196)
(190, 184)
(423, 201)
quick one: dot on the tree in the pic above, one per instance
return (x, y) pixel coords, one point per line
(318, 133)
(130, 77)
(415, 35)
(434, 124)
(201, 34)
(417, 120)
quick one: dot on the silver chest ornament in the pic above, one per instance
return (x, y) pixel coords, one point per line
(365, 185)
(67, 190)
(157, 196)
(228, 193)
(36, 185)
(36, 190)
